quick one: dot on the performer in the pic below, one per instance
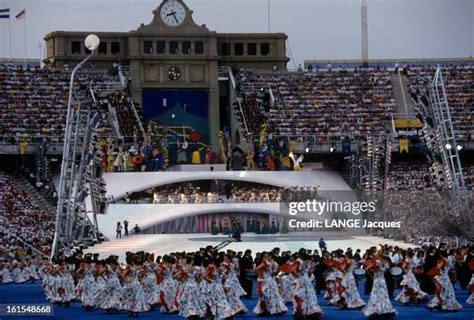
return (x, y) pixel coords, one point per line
(216, 299)
(350, 298)
(305, 301)
(470, 299)
(67, 284)
(232, 287)
(379, 303)
(287, 278)
(445, 298)
(411, 291)
(86, 289)
(6, 274)
(18, 275)
(133, 296)
(330, 278)
(166, 285)
(269, 298)
(189, 299)
(110, 295)
(148, 282)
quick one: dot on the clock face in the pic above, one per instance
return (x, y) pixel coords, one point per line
(174, 73)
(172, 13)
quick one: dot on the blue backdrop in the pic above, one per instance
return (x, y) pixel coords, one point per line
(178, 107)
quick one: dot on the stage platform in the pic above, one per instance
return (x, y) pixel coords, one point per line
(148, 215)
(118, 183)
(161, 244)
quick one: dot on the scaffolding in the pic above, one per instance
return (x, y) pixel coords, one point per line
(71, 215)
(448, 150)
(443, 122)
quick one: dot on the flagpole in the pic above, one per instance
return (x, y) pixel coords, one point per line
(10, 35)
(25, 41)
(269, 21)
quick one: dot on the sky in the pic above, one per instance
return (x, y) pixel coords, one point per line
(316, 29)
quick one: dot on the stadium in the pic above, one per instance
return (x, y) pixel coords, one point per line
(314, 160)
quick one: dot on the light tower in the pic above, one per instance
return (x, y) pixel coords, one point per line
(365, 33)
(71, 215)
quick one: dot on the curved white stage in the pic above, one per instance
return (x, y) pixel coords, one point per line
(147, 215)
(120, 182)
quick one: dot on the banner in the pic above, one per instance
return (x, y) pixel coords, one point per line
(403, 145)
(23, 146)
(408, 124)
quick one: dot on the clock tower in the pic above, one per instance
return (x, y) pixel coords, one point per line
(174, 68)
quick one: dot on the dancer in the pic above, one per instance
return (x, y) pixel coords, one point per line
(133, 295)
(304, 300)
(445, 298)
(167, 286)
(6, 276)
(87, 288)
(470, 299)
(216, 299)
(330, 278)
(411, 291)
(232, 287)
(379, 305)
(189, 299)
(110, 296)
(269, 298)
(149, 285)
(287, 278)
(349, 295)
(18, 275)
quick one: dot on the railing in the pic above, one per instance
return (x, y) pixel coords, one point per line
(135, 113)
(228, 71)
(272, 97)
(241, 110)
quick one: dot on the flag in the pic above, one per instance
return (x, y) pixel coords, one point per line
(403, 145)
(23, 147)
(5, 13)
(21, 14)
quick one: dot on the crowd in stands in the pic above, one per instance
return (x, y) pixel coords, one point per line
(324, 103)
(33, 101)
(128, 122)
(24, 224)
(458, 82)
(409, 176)
(414, 197)
(469, 177)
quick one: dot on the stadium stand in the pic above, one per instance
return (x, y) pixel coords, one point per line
(460, 91)
(325, 103)
(25, 225)
(34, 101)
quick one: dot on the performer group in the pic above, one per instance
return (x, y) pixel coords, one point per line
(209, 283)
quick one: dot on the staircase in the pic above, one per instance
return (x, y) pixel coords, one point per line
(405, 105)
(42, 163)
(120, 84)
(239, 129)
